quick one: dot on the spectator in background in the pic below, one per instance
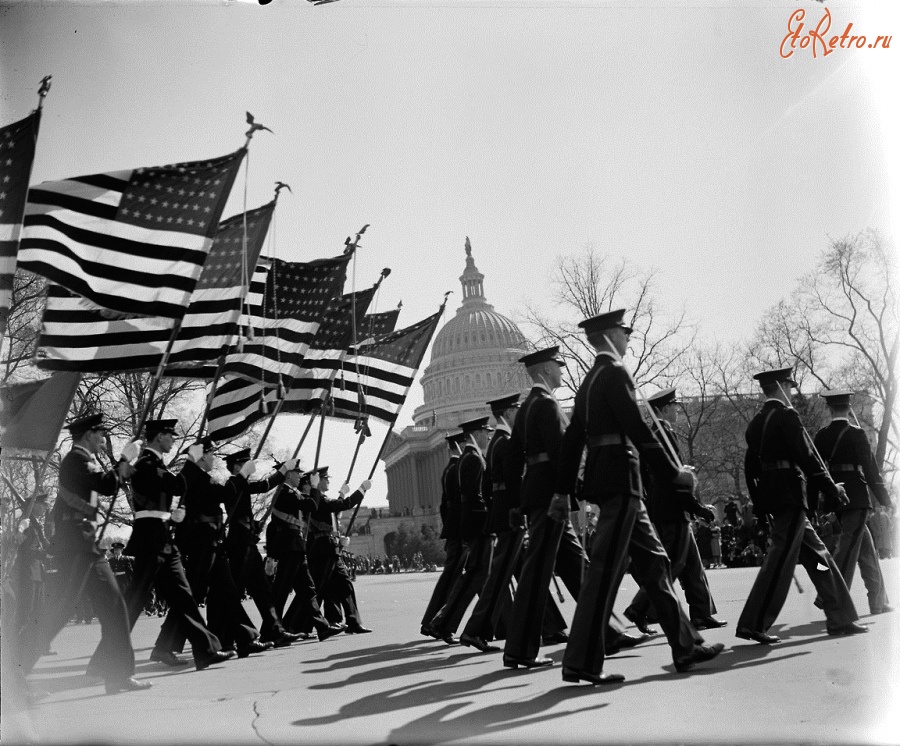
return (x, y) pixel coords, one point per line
(715, 545)
(703, 536)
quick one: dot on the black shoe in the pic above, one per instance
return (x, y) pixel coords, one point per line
(882, 610)
(708, 622)
(114, 686)
(330, 631)
(555, 638)
(166, 658)
(357, 629)
(476, 642)
(623, 641)
(639, 621)
(761, 637)
(254, 647)
(513, 661)
(847, 629)
(428, 632)
(574, 676)
(220, 656)
(699, 654)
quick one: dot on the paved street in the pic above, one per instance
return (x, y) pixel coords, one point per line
(397, 687)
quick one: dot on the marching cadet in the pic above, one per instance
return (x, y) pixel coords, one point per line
(122, 566)
(28, 570)
(199, 538)
(286, 543)
(670, 510)
(780, 459)
(850, 460)
(606, 419)
(477, 544)
(83, 568)
(534, 449)
(450, 510)
(328, 570)
(157, 561)
(241, 541)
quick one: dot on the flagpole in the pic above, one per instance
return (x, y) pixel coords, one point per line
(154, 384)
(265, 435)
(359, 442)
(321, 431)
(312, 419)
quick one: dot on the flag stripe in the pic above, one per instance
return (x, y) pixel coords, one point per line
(94, 203)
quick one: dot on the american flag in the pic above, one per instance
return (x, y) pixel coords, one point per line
(17, 141)
(296, 297)
(77, 338)
(378, 378)
(130, 242)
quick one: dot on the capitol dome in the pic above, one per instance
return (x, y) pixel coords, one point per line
(474, 358)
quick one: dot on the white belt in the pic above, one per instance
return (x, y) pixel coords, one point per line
(163, 515)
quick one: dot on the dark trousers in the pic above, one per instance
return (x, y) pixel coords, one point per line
(304, 613)
(855, 547)
(495, 596)
(793, 539)
(476, 568)
(452, 567)
(89, 575)
(551, 546)
(209, 576)
(687, 567)
(332, 579)
(164, 572)
(249, 572)
(624, 531)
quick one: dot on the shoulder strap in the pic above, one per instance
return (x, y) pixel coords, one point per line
(762, 437)
(837, 442)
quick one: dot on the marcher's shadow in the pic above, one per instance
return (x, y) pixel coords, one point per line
(379, 654)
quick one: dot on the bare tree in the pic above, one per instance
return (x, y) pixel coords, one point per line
(592, 283)
(23, 324)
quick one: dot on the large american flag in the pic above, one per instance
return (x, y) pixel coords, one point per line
(17, 141)
(239, 403)
(377, 379)
(130, 242)
(77, 338)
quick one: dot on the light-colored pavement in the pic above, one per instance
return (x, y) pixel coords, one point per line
(396, 687)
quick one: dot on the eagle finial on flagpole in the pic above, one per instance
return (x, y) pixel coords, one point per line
(254, 126)
(44, 89)
(279, 185)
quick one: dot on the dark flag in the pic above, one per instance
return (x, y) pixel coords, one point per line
(17, 142)
(32, 413)
(130, 242)
(76, 338)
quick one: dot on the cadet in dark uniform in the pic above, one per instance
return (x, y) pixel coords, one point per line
(247, 564)
(451, 519)
(82, 567)
(28, 570)
(670, 511)
(286, 543)
(122, 566)
(779, 460)
(478, 545)
(606, 419)
(846, 450)
(199, 537)
(157, 561)
(328, 570)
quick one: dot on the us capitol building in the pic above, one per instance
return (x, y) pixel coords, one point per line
(474, 359)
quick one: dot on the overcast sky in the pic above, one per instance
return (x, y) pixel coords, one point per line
(673, 134)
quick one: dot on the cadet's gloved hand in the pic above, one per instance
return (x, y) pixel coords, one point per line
(366, 484)
(344, 490)
(24, 524)
(289, 465)
(178, 515)
(125, 469)
(516, 519)
(345, 542)
(271, 566)
(195, 452)
(842, 497)
(248, 469)
(314, 479)
(559, 508)
(131, 451)
(685, 478)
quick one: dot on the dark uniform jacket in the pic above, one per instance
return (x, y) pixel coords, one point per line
(320, 524)
(532, 460)
(606, 418)
(202, 503)
(286, 531)
(495, 457)
(123, 568)
(81, 481)
(152, 488)
(850, 460)
(243, 528)
(780, 459)
(451, 510)
(666, 502)
(473, 497)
